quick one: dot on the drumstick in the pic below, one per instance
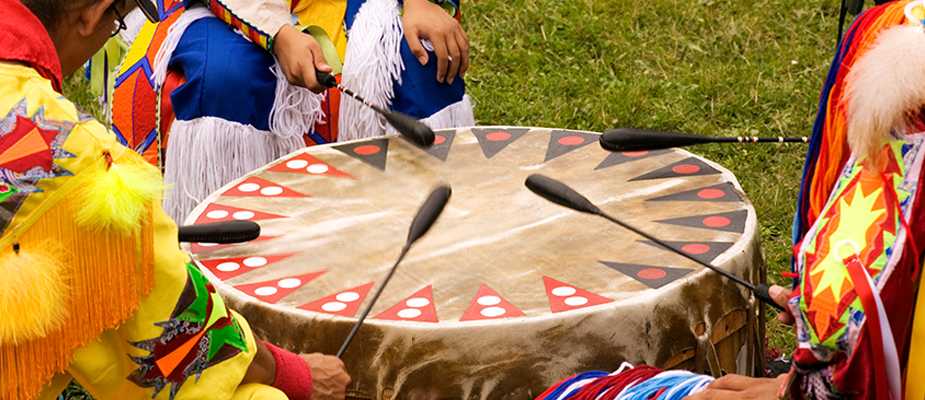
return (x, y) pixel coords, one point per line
(407, 126)
(425, 218)
(219, 232)
(631, 139)
(559, 193)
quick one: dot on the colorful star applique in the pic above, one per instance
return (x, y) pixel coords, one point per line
(200, 333)
(29, 146)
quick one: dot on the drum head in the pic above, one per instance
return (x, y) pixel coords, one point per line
(335, 217)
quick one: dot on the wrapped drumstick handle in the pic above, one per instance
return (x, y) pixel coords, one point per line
(220, 232)
(561, 194)
(409, 127)
(631, 139)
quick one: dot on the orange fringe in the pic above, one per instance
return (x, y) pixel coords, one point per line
(109, 273)
(834, 151)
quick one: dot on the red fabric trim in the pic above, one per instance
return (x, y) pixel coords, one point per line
(293, 375)
(23, 39)
(866, 294)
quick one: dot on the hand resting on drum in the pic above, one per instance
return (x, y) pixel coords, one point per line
(329, 378)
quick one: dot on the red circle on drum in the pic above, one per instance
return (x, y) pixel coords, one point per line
(696, 248)
(439, 139)
(573, 140)
(498, 136)
(686, 169)
(635, 154)
(367, 149)
(711, 194)
(717, 222)
(651, 274)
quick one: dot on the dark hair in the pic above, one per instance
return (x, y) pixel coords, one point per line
(51, 11)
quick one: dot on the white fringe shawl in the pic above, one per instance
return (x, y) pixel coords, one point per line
(457, 115)
(176, 31)
(206, 153)
(884, 87)
(372, 65)
(295, 109)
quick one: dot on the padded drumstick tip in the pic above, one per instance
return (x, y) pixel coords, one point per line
(220, 232)
(631, 139)
(428, 213)
(559, 193)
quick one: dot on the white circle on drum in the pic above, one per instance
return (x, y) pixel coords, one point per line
(318, 169)
(489, 300)
(334, 306)
(576, 301)
(271, 191)
(492, 312)
(417, 302)
(266, 291)
(228, 267)
(296, 164)
(217, 214)
(255, 262)
(243, 215)
(289, 283)
(348, 297)
(409, 313)
(563, 291)
(249, 187)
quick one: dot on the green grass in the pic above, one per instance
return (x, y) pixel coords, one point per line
(723, 67)
(719, 67)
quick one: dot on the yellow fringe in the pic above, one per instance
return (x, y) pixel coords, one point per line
(110, 272)
(32, 291)
(114, 192)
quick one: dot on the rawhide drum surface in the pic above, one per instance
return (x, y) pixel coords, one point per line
(508, 293)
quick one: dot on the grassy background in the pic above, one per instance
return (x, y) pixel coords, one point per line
(719, 67)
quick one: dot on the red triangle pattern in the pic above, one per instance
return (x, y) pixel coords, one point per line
(219, 213)
(345, 303)
(306, 164)
(418, 307)
(227, 268)
(259, 187)
(197, 248)
(488, 304)
(274, 290)
(564, 297)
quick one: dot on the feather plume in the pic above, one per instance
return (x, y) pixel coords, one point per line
(32, 293)
(115, 194)
(884, 88)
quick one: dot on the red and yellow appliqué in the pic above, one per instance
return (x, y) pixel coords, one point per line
(861, 219)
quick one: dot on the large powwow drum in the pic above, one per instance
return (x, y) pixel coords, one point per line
(508, 293)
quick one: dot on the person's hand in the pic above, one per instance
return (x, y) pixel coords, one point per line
(424, 20)
(329, 377)
(299, 56)
(738, 387)
(781, 296)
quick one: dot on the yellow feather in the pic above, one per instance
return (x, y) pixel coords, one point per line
(117, 197)
(32, 293)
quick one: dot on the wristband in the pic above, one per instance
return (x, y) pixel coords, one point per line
(293, 375)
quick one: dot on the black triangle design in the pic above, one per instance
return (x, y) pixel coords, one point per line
(703, 251)
(493, 141)
(372, 152)
(618, 158)
(733, 221)
(564, 142)
(442, 149)
(691, 166)
(720, 193)
(652, 276)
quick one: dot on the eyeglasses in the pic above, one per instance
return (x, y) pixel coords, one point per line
(120, 22)
(149, 9)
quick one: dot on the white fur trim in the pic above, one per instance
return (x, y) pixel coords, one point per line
(882, 86)
(372, 65)
(295, 109)
(206, 153)
(165, 52)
